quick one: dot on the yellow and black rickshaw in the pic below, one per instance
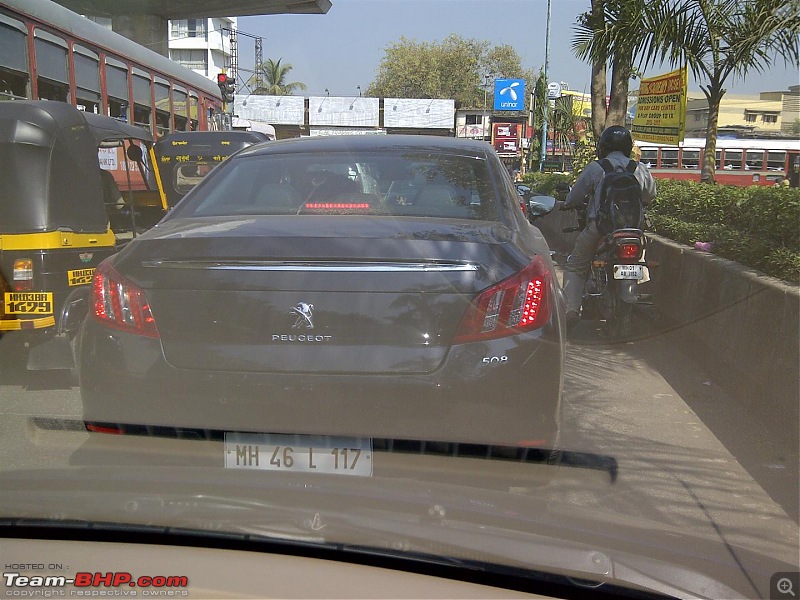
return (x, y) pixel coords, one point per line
(54, 222)
(185, 157)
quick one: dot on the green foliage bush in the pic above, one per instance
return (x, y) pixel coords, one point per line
(756, 226)
(545, 183)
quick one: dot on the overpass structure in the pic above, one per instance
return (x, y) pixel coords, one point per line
(145, 21)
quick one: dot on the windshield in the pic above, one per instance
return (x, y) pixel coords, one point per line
(511, 303)
(368, 183)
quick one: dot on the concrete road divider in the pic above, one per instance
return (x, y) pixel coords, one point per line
(743, 325)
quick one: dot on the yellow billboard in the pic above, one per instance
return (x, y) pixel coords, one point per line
(581, 104)
(661, 108)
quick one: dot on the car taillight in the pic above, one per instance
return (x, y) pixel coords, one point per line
(22, 277)
(517, 304)
(629, 251)
(118, 303)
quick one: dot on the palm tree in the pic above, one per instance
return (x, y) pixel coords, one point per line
(274, 76)
(718, 39)
(724, 39)
(613, 31)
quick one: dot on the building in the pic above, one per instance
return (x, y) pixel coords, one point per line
(202, 45)
(770, 114)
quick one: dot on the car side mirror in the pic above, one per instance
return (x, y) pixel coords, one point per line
(539, 206)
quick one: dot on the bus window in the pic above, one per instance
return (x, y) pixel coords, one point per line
(163, 110)
(733, 160)
(194, 125)
(117, 89)
(776, 161)
(13, 59)
(87, 78)
(52, 78)
(649, 157)
(690, 159)
(755, 160)
(179, 100)
(717, 159)
(669, 159)
(142, 99)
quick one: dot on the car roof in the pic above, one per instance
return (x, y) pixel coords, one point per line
(372, 143)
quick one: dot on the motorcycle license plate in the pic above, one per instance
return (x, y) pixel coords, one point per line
(628, 271)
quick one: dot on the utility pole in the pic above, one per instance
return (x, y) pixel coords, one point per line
(543, 153)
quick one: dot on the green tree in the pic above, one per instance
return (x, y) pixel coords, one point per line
(610, 34)
(719, 40)
(722, 40)
(274, 77)
(454, 68)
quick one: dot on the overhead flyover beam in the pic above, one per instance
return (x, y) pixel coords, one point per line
(145, 21)
(186, 9)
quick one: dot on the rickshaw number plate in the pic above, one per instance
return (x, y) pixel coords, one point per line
(80, 276)
(28, 303)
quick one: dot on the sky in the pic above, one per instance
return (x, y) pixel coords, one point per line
(342, 49)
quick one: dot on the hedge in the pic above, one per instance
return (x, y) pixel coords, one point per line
(756, 226)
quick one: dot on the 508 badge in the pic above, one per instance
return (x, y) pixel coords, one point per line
(495, 360)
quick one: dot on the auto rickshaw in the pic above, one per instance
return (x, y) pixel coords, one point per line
(54, 223)
(185, 157)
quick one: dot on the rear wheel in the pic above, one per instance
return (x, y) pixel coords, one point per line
(623, 319)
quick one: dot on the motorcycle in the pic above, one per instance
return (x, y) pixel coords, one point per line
(616, 270)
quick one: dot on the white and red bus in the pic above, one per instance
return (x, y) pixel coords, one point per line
(48, 52)
(739, 161)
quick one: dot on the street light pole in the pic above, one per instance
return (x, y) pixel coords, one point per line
(543, 152)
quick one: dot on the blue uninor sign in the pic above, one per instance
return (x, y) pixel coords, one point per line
(509, 94)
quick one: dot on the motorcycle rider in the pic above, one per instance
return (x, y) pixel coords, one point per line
(616, 145)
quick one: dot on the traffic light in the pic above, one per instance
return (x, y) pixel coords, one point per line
(227, 87)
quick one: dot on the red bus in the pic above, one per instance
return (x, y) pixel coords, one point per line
(48, 52)
(739, 161)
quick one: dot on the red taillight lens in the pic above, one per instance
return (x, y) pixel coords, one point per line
(118, 303)
(23, 275)
(629, 251)
(515, 305)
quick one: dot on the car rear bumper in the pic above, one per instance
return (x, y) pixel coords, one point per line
(125, 379)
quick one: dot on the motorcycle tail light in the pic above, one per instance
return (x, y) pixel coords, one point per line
(629, 251)
(517, 304)
(22, 276)
(118, 303)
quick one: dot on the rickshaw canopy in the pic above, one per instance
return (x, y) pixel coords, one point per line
(51, 178)
(184, 157)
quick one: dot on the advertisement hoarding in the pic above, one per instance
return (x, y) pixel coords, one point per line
(661, 108)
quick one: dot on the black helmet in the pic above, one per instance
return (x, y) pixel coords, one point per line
(614, 138)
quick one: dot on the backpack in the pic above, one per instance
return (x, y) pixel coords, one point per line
(620, 199)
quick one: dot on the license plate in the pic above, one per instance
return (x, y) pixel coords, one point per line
(28, 303)
(628, 271)
(80, 276)
(299, 453)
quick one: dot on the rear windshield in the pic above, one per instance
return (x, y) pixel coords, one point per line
(402, 184)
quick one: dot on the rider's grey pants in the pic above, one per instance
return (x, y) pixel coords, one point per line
(578, 265)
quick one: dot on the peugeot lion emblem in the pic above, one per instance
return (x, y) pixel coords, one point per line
(304, 316)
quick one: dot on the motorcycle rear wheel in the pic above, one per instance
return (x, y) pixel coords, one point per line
(622, 323)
